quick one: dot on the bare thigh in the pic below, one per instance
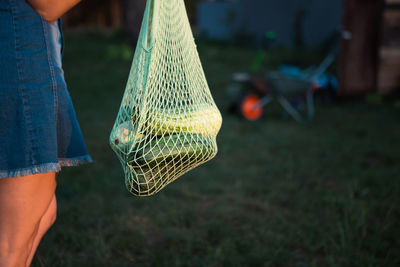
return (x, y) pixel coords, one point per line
(23, 202)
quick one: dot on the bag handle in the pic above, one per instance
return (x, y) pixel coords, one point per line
(151, 20)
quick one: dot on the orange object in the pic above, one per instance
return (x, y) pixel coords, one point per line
(251, 107)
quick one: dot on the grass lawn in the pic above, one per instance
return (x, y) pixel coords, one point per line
(278, 193)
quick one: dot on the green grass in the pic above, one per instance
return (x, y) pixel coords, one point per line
(278, 193)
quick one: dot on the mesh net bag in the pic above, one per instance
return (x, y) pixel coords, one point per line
(168, 121)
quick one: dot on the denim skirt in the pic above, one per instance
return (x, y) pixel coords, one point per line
(39, 131)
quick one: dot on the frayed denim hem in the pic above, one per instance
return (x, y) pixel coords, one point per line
(75, 161)
(46, 167)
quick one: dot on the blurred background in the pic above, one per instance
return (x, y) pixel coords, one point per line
(307, 172)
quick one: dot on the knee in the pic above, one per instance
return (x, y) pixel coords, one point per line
(51, 215)
(16, 252)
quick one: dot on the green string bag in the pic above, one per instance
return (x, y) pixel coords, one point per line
(168, 121)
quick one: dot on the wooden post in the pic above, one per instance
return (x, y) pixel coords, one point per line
(116, 13)
(358, 66)
(389, 65)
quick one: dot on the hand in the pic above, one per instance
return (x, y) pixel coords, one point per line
(51, 10)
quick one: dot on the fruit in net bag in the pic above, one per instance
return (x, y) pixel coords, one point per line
(168, 121)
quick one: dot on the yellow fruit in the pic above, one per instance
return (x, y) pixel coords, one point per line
(206, 122)
(123, 137)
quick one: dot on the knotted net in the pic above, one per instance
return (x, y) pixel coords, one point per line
(168, 121)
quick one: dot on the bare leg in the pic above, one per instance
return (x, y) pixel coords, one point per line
(23, 204)
(46, 222)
